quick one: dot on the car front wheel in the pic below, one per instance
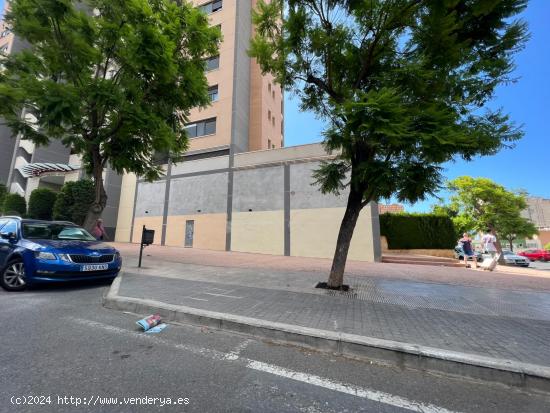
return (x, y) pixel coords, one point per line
(13, 277)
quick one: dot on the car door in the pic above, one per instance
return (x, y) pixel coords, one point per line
(6, 246)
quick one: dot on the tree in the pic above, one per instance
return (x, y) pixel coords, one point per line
(547, 246)
(73, 201)
(14, 204)
(41, 203)
(513, 227)
(491, 207)
(462, 222)
(401, 84)
(112, 79)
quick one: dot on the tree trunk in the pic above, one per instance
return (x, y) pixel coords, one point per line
(511, 245)
(100, 199)
(353, 208)
(498, 245)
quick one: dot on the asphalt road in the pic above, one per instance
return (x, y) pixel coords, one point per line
(59, 342)
(539, 265)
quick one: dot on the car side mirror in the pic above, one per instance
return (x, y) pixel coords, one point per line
(10, 236)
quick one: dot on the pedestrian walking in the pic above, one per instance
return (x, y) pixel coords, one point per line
(468, 250)
(98, 231)
(489, 243)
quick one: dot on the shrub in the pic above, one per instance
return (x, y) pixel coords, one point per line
(73, 201)
(547, 246)
(418, 231)
(3, 192)
(41, 203)
(14, 204)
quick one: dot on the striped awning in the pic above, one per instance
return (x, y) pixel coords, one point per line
(39, 169)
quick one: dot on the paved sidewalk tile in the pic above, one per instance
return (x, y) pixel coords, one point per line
(490, 322)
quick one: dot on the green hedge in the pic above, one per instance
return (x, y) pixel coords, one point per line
(73, 201)
(41, 203)
(418, 231)
(3, 192)
(547, 246)
(14, 204)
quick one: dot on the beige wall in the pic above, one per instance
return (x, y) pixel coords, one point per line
(261, 232)
(209, 231)
(223, 77)
(125, 207)
(154, 223)
(265, 95)
(313, 233)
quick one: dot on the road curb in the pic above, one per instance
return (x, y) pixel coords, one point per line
(394, 353)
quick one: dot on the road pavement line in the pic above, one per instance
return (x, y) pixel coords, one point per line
(365, 393)
(373, 395)
(223, 295)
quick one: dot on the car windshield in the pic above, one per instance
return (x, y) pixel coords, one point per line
(55, 231)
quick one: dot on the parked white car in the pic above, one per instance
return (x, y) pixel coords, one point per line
(512, 259)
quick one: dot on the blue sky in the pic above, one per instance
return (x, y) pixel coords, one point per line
(527, 101)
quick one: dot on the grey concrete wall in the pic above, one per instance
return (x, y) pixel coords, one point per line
(305, 194)
(241, 78)
(310, 151)
(207, 193)
(7, 146)
(200, 165)
(112, 184)
(259, 189)
(55, 152)
(150, 199)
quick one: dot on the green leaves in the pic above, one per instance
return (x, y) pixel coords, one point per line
(489, 205)
(106, 77)
(401, 83)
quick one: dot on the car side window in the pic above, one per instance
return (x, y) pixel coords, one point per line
(3, 222)
(11, 226)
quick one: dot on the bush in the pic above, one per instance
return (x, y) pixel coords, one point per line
(547, 246)
(418, 231)
(41, 203)
(3, 192)
(14, 204)
(73, 201)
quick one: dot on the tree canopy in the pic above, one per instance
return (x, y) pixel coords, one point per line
(402, 83)
(106, 78)
(491, 207)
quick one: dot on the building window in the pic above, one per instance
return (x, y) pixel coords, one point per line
(269, 144)
(213, 93)
(211, 7)
(282, 127)
(212, 63)
(269, 87)
(273, 120)
(201, 128)
(282, 143)
(5, 33)
(268, 115)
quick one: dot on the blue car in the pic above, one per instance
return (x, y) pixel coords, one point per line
(33, 251)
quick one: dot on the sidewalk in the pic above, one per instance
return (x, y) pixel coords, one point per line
(436, 326)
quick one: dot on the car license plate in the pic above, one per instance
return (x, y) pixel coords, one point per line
(94, 267)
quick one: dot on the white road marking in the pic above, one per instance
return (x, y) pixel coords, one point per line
(194, 298)
(311, 379)
(223, 295)
(234, 355)
(365, 393)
